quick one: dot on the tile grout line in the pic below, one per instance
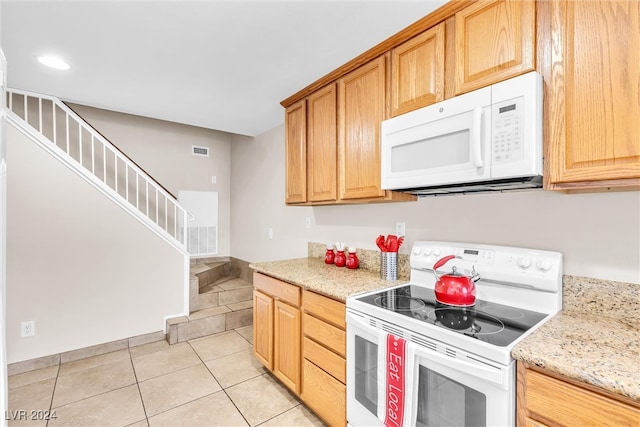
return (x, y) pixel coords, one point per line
(53, 392)
(135, 375)
(221, 388)
(244, 381)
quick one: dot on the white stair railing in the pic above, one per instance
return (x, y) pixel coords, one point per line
(107, 166)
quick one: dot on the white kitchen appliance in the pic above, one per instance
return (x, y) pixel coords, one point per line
(458, 369)
(486, 140)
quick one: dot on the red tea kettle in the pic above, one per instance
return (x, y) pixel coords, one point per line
(455, 288)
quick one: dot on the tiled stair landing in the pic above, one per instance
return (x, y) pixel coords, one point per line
(218, 302)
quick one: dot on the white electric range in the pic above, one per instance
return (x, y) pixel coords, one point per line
(459, 369)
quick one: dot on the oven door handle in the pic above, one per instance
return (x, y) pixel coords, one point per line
(478, 369)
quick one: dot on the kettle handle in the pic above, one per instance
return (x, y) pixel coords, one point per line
(440, 263)
(443, 261)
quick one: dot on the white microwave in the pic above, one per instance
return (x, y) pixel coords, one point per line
(486, 140)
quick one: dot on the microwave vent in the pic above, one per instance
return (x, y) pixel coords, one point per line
(494, 186)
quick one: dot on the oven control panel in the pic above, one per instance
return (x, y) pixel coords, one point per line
(526, 267)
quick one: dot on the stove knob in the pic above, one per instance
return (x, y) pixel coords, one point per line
(417, 250)
(543, 264)
(524, 262)
(436, 252)
(427, 251)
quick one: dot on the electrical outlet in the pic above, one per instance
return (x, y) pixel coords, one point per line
(307, 222)
(270, 233)
(400, 229)
(27, 329)
(214, 179)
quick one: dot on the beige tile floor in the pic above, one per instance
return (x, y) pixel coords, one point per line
(210, 381)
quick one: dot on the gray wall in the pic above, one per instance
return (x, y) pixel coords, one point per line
(598, 233)
(82, 268)
(163, 149)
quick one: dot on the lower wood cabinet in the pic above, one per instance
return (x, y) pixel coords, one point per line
(324, 365)
(286, 345)
(277, 328)
(300, 336)
(325, 395)
(263, 328)
(547, 400)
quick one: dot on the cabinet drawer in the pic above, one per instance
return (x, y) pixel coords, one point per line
(324, 333)
(565, 404)
(326, 359)
(325, 395)
(325, 308)
(277, 288)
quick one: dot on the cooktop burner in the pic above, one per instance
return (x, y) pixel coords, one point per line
(489, 322)
(398, 303)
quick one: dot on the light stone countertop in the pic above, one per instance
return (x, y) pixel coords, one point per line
(335, 282)
(595, 339)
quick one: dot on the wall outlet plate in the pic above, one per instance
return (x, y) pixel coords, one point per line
(400, 226)
(27, 329)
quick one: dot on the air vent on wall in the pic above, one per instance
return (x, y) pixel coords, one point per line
(200, 151)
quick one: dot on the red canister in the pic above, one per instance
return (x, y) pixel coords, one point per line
(330, 256)
(352, 259)
(341, 259)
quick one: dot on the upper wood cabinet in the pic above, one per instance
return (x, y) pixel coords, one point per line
(322, 145)
(417, 71)
(495, 40)
(362, 106)
(295, 120)
(592, 97)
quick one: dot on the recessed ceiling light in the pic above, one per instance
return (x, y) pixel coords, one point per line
(53, 62)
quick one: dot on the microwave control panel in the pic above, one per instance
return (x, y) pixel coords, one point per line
(507, 131)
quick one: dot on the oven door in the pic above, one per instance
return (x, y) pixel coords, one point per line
(458, 389)
(362, 373)
(448, 387)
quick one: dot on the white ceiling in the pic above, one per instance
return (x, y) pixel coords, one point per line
(223, 65)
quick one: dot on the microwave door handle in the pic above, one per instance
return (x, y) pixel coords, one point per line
(476, 147)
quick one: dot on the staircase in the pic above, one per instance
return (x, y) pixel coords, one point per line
(66, 136)
(219, 302)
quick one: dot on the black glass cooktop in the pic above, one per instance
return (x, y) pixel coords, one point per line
(489, 322)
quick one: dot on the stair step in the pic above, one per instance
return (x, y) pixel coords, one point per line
(218, 302)
(235, 310)
(210, 272)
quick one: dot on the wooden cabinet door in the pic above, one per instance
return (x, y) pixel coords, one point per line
(361, 109)
(322, 147)
(417, 71)
(495, 40)
(593, 94)
(263, 328)
(296, 152)
(286, 361)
